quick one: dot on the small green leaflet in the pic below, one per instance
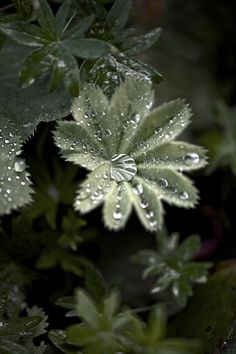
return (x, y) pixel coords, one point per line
(130, 153)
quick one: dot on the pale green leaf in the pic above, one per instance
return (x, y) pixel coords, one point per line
(160, 126)
(77, 145)
(79, 335)
(129, 104)
(189, 247)
(87, 309)
(146, 204)
(157, 324)
(111, 304)
(91, 111)
(117, 207)
(15, 187)
(171, 186)
(177, 155)
(94, 189)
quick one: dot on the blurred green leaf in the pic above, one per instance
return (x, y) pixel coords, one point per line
(210, 313)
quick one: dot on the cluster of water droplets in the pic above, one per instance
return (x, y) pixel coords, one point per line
(12, 179)
(93, 192)
(171, 189)
(138, 190)
(117, 213)
(180, 162)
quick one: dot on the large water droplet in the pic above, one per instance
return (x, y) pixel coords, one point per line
(19, 165)
(192, 158)
(123, 168)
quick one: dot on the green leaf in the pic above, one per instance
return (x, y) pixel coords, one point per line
(26, 108)
(20, 326)
(111, 304)
(15, 187)
(146, 204)
(93, 191)
(87, 309)
(117, 207)
(35, 66)
(95, 283)
(171, 266)
(57, 337)
(139, 44)
(80, 28)
(79, 335)
(171, 186)
(129, 105)
(162, 125)
(189, 247)
(88, 48)
(203, 316)
(20, 113)
(118, 15)
(75, 143)
(45, 18)
(62, 15)
(8, 347)
(177, 155)
(25, 34)
(69, 69)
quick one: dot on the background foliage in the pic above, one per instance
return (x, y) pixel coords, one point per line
(53, 299)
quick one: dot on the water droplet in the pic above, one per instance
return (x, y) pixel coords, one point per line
(184, 195)
(135, 118)
(61, 64)
(138, 188)
(192, 158)
(163, 183)
(123, 168)
(6, 141)
(153, 223)
(117, 215)
(149, 214)
(19, 165)
(143, 204)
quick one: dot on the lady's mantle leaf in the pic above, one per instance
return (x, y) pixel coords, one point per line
(20, 113)
(14, 182)
(130, 152)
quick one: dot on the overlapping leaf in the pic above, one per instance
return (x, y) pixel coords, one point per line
(20, 113)
(130, 153)
(58, 48)
(172, 266)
